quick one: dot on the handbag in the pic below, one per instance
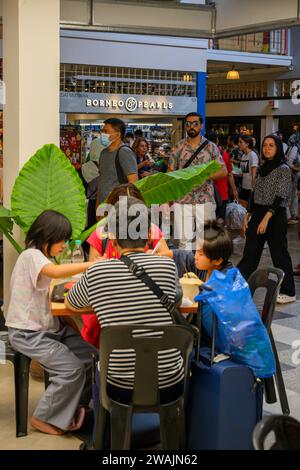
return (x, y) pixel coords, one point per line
(177, 317)
(218, 198)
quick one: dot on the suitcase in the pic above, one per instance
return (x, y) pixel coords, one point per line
(223, 406)
(224, 401)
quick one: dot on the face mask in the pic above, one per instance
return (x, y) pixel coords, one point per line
(105, 140)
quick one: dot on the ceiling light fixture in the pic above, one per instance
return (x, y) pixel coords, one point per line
(233, 74)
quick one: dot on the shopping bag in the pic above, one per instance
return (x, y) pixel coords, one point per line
(240, 331)
(235, 215)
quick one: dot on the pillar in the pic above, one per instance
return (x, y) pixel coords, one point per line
(201, 96)
(31, 57)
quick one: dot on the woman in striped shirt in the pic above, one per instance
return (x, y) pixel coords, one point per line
(120, 298)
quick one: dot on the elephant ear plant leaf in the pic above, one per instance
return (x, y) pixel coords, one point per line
(6, 227)
(164, 187)
(49, 181)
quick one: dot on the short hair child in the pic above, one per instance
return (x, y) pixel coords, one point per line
(216, 247)
(217, 242)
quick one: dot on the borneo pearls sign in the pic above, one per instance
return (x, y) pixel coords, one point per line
(129, 104)
(100, 103)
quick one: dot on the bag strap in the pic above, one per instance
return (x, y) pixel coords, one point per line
(192, 158)
(213, 330)
(121, 177)
(143, 276)
(104, 242)
(170, 306)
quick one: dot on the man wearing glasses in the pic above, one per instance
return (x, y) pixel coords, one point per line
(199, 204)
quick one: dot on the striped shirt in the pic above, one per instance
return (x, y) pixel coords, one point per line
(120, 298)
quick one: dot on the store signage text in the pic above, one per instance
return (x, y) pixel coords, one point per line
(131, 104)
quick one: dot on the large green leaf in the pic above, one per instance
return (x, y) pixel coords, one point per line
(6, 227)
(49, 181)
(90, 230)
(164, 187)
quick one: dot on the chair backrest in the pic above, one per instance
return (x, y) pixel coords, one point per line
(146, 348)
(270, 279)
(277, 433)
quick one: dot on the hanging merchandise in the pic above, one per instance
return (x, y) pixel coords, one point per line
(70, 144)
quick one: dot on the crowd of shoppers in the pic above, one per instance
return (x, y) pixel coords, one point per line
(112, 289)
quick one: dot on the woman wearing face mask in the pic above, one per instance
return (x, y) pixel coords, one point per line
(117, 163)
(144, 162)
(266, 218)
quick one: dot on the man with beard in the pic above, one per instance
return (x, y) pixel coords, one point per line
(199, 204)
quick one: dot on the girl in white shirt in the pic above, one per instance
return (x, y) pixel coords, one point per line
(34, 332)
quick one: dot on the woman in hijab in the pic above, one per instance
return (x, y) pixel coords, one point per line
(266, 219)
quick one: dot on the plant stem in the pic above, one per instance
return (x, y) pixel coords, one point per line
(13, 242)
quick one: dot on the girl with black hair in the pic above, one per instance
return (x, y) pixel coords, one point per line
(266, 219)
(34, 332)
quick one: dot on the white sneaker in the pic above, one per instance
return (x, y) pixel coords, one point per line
(285, 299)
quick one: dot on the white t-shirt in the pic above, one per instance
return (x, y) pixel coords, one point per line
(29, 307)
(248, 161)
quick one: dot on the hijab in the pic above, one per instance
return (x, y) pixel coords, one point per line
(279, 158)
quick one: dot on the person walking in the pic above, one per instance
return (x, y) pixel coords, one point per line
(248, 165)
(200, 203)
(266, 219)
(117, 163)
(293, 161)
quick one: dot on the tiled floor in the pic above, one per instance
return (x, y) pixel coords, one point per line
(34, 440)
(286, 330)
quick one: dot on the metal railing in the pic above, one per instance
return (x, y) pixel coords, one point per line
(237, 91)
(121, 80)
(270, 42)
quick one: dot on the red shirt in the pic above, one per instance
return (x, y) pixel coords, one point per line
(95, 240)
(222, 184)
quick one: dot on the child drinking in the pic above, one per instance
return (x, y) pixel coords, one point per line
(34, 332)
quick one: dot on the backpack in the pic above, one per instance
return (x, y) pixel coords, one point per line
(122, 178)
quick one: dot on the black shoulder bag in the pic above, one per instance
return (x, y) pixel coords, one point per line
(192, 158)
(121, 177)
(176, 316)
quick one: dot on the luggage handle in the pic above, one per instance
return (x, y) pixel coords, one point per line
(213, 330)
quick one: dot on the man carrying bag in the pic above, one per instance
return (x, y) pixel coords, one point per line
(200, 203)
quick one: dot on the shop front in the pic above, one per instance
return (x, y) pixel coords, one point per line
(159, 118)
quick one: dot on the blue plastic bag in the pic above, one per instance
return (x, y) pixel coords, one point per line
(240, 331)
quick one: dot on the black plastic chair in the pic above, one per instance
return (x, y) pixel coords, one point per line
(285, 430)
(21, 365)
(271, 279)
(145, 397)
